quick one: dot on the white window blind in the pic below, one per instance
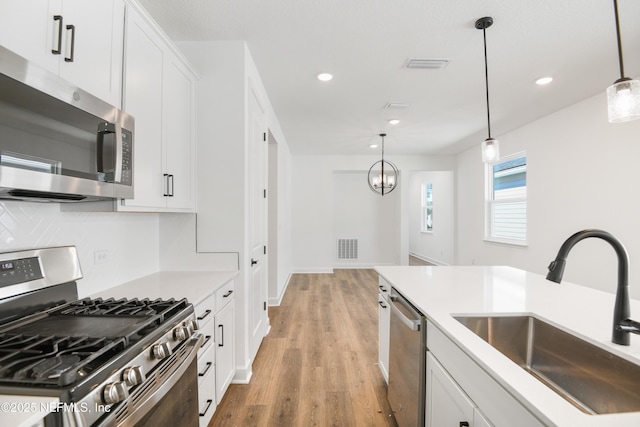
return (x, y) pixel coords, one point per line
(507, 199)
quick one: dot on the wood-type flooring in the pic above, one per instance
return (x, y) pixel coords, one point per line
(318, 366)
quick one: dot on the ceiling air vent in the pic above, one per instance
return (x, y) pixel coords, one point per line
(428, 64)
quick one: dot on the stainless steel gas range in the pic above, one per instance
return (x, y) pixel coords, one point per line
(110, 362)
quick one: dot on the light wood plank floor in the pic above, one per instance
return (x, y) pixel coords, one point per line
(318, 365)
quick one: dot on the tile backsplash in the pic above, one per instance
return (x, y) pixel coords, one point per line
(113, 247)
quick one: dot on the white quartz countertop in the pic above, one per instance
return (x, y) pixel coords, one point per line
(440, 292)
(192, 285)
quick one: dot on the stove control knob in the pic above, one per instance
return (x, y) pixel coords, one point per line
(115, 392)
(181, 333)
(192, 325)
(160, 351)
(133, 375)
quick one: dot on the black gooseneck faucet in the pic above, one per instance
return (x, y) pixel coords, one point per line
(622, 324)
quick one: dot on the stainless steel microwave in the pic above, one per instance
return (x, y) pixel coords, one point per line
(58, 142)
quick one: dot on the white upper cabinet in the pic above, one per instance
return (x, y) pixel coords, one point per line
(79, 40)
(159, 91)
(179, 147)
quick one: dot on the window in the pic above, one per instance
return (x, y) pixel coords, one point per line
(506, 197)
(427, 208)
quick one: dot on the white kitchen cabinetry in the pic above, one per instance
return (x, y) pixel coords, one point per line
(159, 91)
(447, 404)
(225, 343)
(216, 363)
(457, 387)
(384, 324)
(79, 40)
(206, 360)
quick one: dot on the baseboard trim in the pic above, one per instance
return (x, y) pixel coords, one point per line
(243, 376)
(275, 302)
(427, 259)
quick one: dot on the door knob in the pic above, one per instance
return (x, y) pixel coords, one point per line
(253, 262)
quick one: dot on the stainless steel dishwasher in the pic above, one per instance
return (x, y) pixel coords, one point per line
(407, 365)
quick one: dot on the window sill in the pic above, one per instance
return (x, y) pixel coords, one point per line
(519, 243)
(426, 232)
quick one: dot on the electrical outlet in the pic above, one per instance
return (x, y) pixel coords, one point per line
(100, 257)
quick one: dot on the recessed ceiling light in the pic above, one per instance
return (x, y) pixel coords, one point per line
(544, 81)
(324, 77)
(394, 121)
(373, 146)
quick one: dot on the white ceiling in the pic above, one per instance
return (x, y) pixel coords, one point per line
(366, 43)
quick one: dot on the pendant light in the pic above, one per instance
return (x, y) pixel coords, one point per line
(490, 147)
(383, 175)
(623, 96)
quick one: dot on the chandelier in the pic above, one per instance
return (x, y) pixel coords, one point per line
(383, 175)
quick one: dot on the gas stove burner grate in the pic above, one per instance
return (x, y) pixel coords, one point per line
(53, 360)
(123, 307)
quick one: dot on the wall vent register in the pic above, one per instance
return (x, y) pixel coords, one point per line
(347, 249)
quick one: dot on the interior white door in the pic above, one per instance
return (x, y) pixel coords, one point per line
(257, 286)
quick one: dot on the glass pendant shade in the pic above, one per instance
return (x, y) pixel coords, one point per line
(490, 150)
(623, 99)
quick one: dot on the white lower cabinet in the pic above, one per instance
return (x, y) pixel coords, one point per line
(384, 312)
(206, 393)
(224, 347)
(216, 356)
(447, 404)
(460, 393)
(384, 326)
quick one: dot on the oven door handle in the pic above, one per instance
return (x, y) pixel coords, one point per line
(141, 409)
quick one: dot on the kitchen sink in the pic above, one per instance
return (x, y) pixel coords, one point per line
(591, 378)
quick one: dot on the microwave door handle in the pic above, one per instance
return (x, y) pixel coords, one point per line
(103, 168)
(118, 167)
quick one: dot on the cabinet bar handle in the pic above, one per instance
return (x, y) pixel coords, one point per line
(209, 402)
(206, 313)
(73, 43)
(203, 373)
(171, 179)
(206, 340)
(166, 185)
(227, 294)
(221, 336)
(59, 49)
(382, 304)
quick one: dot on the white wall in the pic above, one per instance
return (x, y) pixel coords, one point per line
(436, 246)
(582, 172)
(228, 76)
(374, 220)
(315, 209)
(130, 239)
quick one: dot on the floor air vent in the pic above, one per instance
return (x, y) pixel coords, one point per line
(347, 248)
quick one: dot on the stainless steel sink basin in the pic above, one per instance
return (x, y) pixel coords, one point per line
(594, 380)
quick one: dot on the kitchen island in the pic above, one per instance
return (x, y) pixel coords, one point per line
(443, 292)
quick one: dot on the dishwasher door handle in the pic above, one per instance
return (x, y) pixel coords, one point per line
(413, 324)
